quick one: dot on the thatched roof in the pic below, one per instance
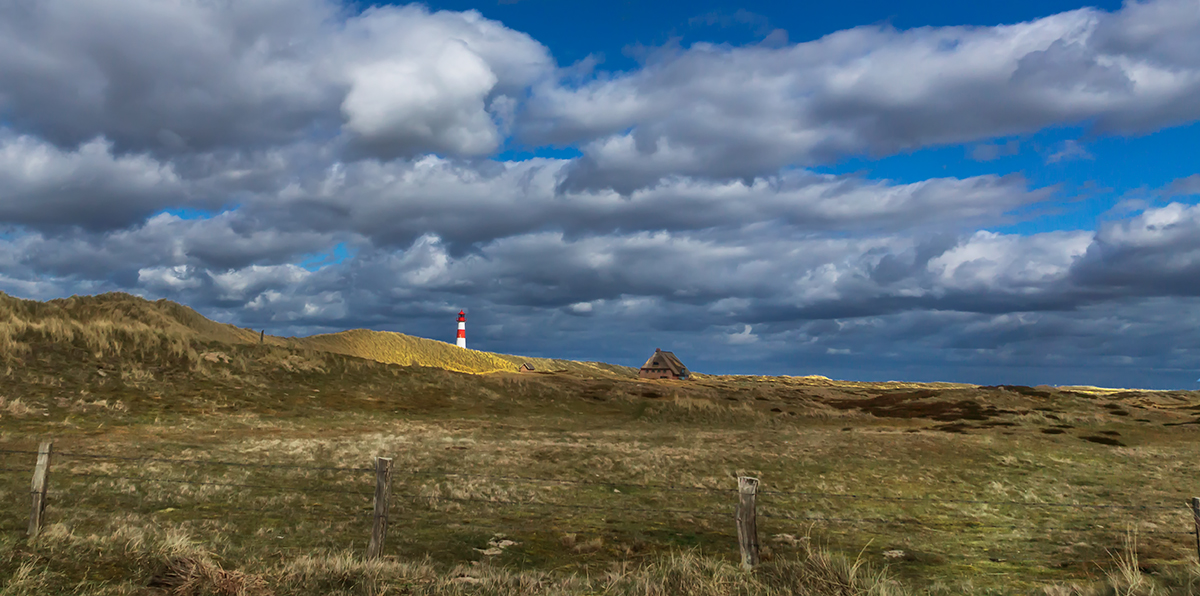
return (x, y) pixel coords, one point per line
(662, 359)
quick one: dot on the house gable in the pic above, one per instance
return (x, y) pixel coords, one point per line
(663, 365)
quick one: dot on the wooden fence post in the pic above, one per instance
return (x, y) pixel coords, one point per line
(383, 496)
(747, 521)
(38, 488)
(1196, 519)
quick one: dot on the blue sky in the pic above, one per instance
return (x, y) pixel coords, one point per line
(575, 30)
(1000, 192)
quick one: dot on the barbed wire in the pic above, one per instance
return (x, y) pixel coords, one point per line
(69, 454)
(1158, 506)
(352, 516)
(936, 525)
(697, 512)
(996, 558)
(220, 463)
(1052, 562)
(291, 511)
(227, 484)
(1043, 562)
(958, 526)
(500, 528)
(18, 451)
(575, 482)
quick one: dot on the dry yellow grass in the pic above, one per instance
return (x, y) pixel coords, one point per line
(139, 559)
(406, 350)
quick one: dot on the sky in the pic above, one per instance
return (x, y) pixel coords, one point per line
(982, 192)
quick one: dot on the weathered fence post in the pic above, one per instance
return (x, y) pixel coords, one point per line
(38, 488)
(383, 496)
(747, 521)
(1196, 520)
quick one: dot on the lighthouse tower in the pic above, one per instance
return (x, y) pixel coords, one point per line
(462, 330)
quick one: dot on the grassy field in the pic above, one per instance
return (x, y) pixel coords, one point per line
(584, 480)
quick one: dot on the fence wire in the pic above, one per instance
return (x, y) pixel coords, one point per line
(603, 483)
(608, 483)
(1156, 506)
(772, 511)
(212, 462)
(951, 526)
(227, 484)
(695, 512)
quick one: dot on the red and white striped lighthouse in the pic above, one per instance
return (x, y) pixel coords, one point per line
(462, 330)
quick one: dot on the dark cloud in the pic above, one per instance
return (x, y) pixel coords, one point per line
(227, 241)
(983, 299)
(1184, 186)
(42, 186)
(1157, 252)
(464, 205)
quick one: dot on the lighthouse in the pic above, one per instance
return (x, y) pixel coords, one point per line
(462, 330)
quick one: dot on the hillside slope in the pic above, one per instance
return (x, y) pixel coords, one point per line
(118, 323)
(397, 348)
(110, 323)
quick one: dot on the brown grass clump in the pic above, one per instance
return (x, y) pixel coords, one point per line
(28, 580)
(344, 573)
(144, 560)
(15, 408)
(187, 576)
(686, 572)
(134, 559)
(169, 562)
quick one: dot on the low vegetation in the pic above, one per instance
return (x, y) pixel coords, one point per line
(406, 350)
(191, 459)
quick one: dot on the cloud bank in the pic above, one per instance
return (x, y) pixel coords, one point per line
(226, 154)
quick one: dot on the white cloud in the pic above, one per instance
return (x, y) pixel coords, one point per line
(723, 111)
(581, 308)
(1015, 263)
(168, 279)
(421, 82)
(260, 73)
(1069, 150)
(242, 284)
(743, 337)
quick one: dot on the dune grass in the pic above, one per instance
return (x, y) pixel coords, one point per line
(406, 350)
(133, 559)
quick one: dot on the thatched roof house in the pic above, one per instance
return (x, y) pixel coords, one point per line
(663, 365)
(525, 367)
